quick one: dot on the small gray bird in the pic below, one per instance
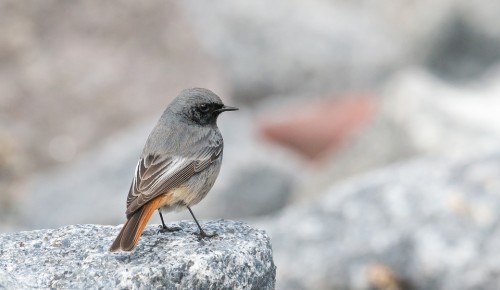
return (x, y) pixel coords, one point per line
(179, 163)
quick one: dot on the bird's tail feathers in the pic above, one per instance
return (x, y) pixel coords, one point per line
(133, 228)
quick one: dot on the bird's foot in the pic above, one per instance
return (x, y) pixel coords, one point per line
(202, 235)
(165, 229)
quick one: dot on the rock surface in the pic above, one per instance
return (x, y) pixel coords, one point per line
(432, 223)
(76, 257)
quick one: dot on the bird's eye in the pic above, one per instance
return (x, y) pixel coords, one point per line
(204, 108)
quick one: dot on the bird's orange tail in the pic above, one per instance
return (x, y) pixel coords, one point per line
(132, 229)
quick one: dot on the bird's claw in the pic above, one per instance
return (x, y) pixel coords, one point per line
(165, 229)
(202, 235)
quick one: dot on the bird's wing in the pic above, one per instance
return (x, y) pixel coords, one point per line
(156, 174)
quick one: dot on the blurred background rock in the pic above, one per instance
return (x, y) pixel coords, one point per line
(367, 129)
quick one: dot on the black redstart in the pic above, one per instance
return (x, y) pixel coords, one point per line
(179, 163)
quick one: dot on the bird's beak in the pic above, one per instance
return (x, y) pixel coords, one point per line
(227, 108)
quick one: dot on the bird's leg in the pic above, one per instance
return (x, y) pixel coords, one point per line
(202, 233)
(164, 228)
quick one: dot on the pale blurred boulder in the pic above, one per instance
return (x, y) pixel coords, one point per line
(442, 117)
(431, 223)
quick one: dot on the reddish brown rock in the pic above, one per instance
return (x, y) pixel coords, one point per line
(317, 128)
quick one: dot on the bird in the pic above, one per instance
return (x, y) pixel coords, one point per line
(178, 166)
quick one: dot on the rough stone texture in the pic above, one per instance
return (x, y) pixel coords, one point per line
(76, 257)
(432, 223)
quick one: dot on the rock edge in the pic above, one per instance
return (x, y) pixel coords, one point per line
(77, 257)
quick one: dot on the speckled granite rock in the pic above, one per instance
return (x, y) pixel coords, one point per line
(76, 257)
(433, 223)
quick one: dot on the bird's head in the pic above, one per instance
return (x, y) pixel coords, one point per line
(198, 106)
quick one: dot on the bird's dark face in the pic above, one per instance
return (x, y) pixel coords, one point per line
(199, 106)
(206, 113)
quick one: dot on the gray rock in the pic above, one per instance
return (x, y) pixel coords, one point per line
(458, 40)
(432, 223)
(464, 51)
(76, 257)
(255, 191)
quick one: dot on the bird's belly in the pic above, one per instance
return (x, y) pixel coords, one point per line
(193, 191)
